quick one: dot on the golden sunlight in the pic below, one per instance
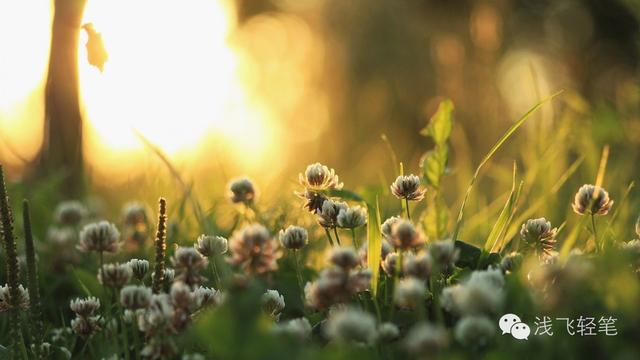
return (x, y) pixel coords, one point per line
(171, 76)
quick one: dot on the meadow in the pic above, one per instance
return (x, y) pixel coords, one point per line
(339, 270)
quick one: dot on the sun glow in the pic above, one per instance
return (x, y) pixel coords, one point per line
(171, 77)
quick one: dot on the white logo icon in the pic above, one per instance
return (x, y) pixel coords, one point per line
(511, 324)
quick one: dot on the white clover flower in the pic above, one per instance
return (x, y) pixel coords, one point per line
(444, 255)
(70, 213)
(405, 236)
(387, 332)
(351, 325)
(181, 295)
(254, 250)
(539, 236)
(115, 275)
(390, 264)
(209, 245)
(134, 297)
(139, 268)
(511, 262)
(408, 187)
(294, 237)
(99, 237)
(273, 303)
(299, 328)
(85, 307)
(425, 338)
(592, 200)
(188, 262)
(85, 327)
(242, 191)
(351, 217)
(318, 177)
(387, 225)
(418, 266)
(328, 215)
(135, 214)
(482, 293)
(474, 331)
(23, 298)
(206, 296)
(410, 293)
(344, 257)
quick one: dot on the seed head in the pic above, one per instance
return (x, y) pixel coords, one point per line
(410, 293)
(99, 237)
(352, 217)
(387, 332)
(209, 245)
(5, 303)
(294, 237)
(351, 325)
(273, 304)
(318, 177)
(242, 191)
(254, 250)
(70, 213)
(539, 236)
(328, 216)
(134, 297)
(139, 268)
(408, 187)
(404, 235)
(425, 338)
(592, 200)
(344, 257)
(115, 275)
(474, 331)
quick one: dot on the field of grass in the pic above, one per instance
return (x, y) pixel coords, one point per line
(418, 267)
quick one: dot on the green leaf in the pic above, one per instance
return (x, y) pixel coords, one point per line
(374, 245)
(512, 129)
(441, 123)
(436, 217)
(344, 194)
(88, 282)
(434, 165)
(468, 255)
(504, 219)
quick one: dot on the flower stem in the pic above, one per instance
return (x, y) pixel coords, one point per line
(595, 232)
(214, 269)
(299, 276)
(406, 201)
(355, 239)
(329, 236)
(335, 231)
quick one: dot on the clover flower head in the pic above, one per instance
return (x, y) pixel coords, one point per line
(482, 293)
(188, 262)
(474, 331)
(85, 307)
(135, 214)
(298, 328)
(444, 255)
(139, 268)
(351, 325)
(70, 213)
(405, 236)
(351, 217)
(328, 215)
(181, 295)
(387, 225)
(63, 236)
(336, 285)
(313, 200)
(409, 293)
(539, 236)
(99, 237)
(425, 338)
(293, 237)
(318, 177)
(85, 327)
(592, 200)
(511, 262)
(133, 297)
(408, 187)
(254, 250)
(242, 191)
(273, 304)
(387, 332)
(115, 275)
(389, 264)
(209, 245)
(418, 266)
(23, 298)
(206, 296)
(344, 257)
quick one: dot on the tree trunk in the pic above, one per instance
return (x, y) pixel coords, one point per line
(61, 152)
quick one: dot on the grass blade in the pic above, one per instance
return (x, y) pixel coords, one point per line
(374, 244)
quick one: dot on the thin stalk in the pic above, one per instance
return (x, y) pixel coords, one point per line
(214, 269)
(355, 239)
(299, 276)
(335, 231)
(406, 201)
(326, 230)
(35, 306)
(595, 232)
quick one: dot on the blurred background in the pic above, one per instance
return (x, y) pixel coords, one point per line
(262, 88)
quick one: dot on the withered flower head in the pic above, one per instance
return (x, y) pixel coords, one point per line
(209, 245)
(408, 187)
(294, 237)
(539, 236)
(242, 191)
(254, 250)
(99, 237)
(592, 200)
(404, 235)
(318, 177)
